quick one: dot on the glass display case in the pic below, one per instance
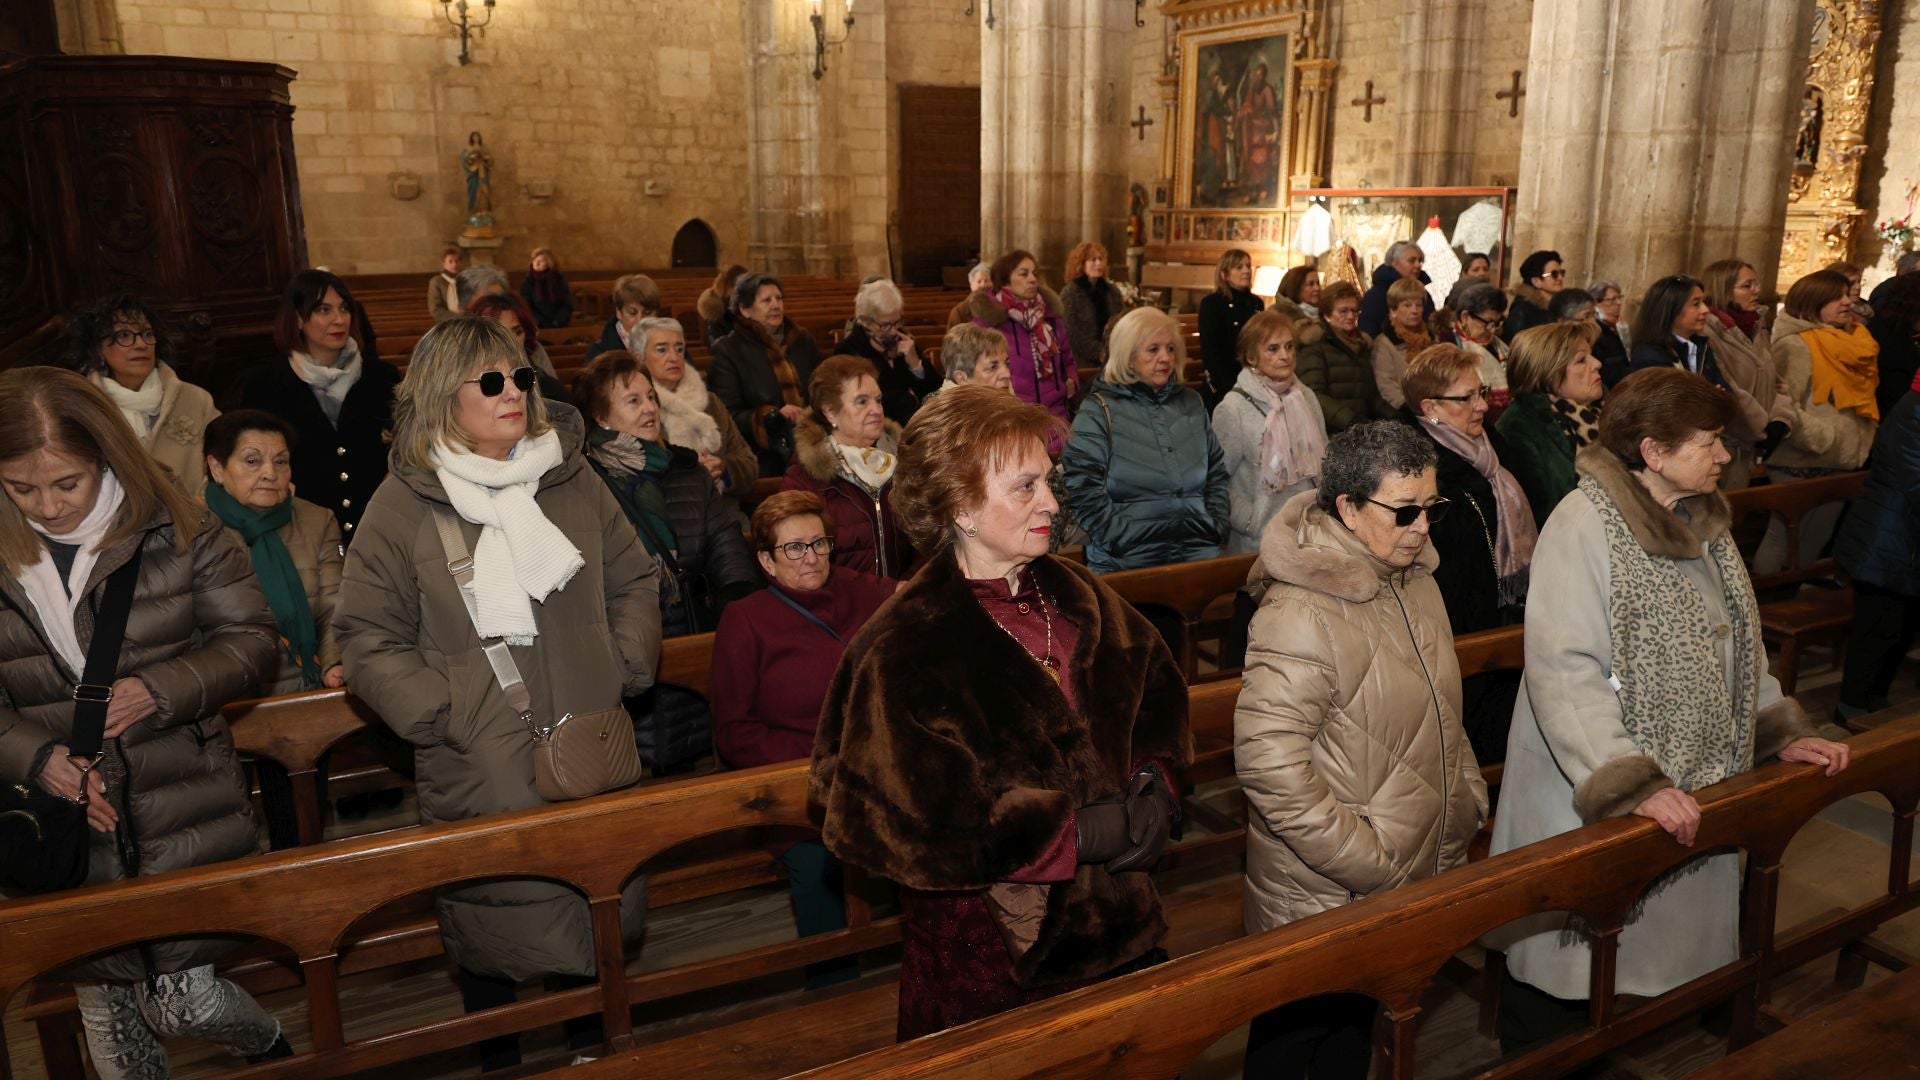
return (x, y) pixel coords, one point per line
(1347, 230)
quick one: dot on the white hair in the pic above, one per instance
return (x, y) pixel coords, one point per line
(877, 298)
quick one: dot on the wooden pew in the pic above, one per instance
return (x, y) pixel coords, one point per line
(1186, 589)
(1820, 606)
(1391, 947)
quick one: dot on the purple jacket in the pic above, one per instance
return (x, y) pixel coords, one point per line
(1027, 385)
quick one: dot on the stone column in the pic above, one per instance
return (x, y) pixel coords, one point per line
(1053, 79)
(1435, 122)
(1659, 136)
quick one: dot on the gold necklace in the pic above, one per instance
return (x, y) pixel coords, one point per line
(1048, 663)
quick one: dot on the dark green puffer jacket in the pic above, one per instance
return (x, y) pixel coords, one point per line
(1539, 455)
(1341, 377)
(1146, 477)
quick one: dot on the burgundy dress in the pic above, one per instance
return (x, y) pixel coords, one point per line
(954, 965)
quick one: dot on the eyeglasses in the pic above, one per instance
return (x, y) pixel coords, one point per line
(1484, 394)
(125, 338)
(494, 383)
(886, 327)
(797, 549)
(1556, 275)
(1405, 516)
(1489, 319)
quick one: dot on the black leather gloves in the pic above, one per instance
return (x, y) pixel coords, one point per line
(1101, 832)
(1770, 441)
(1150, 813)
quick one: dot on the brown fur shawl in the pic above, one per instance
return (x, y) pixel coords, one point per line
(946, 759)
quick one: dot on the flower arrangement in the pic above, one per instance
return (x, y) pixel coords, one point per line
(1900, 231)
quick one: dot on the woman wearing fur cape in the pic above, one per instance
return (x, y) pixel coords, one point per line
(999, 740)
(1646, 680)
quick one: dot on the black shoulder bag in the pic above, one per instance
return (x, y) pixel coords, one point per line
(43, 837)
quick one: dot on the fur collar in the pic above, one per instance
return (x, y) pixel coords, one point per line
(815, 454)
(1304, 545)
(1659, 530)
(1785, 326)
(985, 309)
(711, 307)
(1311, 332)
(1532, 295)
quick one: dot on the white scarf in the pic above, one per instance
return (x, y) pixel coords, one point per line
(453, 288)
(687, 422)
(871, 466)
(521, 557)
(330, 384)
(41, 581)
(141, 407)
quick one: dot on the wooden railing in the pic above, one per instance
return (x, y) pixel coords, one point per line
(1392, 946)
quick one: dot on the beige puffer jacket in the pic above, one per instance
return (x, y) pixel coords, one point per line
(1347, 738)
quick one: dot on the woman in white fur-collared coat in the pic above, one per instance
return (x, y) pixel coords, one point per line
(1646, 680)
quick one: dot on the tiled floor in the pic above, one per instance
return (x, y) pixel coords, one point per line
(1837, 860)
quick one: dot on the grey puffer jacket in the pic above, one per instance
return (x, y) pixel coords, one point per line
(1146, 477)
(412, 654)
(199, 636)
(1347, 738)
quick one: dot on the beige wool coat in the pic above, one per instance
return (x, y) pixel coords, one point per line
(1347, 737)
(413, 655)
(1748, 366)
(313, 540)
(185, 410)
(199, 636)
(1823, 437)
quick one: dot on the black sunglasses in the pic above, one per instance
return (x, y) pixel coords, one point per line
(494, 383)
(1405, 516)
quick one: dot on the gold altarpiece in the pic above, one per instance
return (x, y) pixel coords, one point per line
(1243, 102)
(1823, 212)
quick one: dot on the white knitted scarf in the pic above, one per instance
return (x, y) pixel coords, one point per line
(141, 407)
(684, 411)
(522, 557)
(41, 581)
(330, 384)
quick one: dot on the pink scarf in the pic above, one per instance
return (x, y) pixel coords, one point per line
(1293, 444)
(1513, 547)
(1032, 314)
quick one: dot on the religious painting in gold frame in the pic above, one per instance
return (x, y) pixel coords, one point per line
(1236, 114)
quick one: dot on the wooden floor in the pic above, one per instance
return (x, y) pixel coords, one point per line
(1837, 859)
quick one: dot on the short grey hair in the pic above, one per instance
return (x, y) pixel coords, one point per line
(876, 298)
(1365, 454)
(1399, 248)
(477, 279)
(747, 289)
(644, 329)
(1599, 287)
(1570, 304)
(1482, 296)
(980, 270)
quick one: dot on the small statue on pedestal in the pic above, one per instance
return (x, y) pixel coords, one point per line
(478, 165)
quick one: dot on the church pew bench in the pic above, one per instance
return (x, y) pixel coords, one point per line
(1819, 607)
(1392, 946)
(1867, 1033)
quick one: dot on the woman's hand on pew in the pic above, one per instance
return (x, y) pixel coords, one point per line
(1676, 812)
(1835, 756)
(132, 702)
(335, 677)
(60, 776)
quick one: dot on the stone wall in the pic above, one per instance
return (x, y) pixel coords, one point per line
(929, 43)
(1892, 160)
(593, 99)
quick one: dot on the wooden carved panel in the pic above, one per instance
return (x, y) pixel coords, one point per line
(1823, 212)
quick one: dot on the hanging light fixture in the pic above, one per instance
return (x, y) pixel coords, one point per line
(820, 40)
(970, 6)
(465, 24)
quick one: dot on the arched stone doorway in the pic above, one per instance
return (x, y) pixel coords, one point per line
(695, 245)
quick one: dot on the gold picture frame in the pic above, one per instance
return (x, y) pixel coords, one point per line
(1236, 119)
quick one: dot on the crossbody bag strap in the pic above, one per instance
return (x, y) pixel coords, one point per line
(807, 615)
(95, 688)
(505, 671)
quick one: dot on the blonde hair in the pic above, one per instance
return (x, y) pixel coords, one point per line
(1230, 260)
(1540, 354)
(966, 345)
(47, 408)
(445, 358)
(1130, 334)
(1430, 373)
(1406, 291)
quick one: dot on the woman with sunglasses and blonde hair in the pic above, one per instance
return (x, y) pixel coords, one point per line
(1347, 738)
(557, 573)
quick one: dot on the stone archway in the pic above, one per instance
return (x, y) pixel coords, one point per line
(695, 245)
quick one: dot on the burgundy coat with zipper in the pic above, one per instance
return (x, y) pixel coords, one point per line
(865, 536)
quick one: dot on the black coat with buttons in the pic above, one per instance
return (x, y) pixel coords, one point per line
(337, 467)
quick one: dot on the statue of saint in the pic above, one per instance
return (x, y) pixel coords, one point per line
(479, 167)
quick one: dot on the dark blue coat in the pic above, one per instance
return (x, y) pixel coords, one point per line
(609, 339)
(1373, 306)
(1879, 542)
(1145, 477)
